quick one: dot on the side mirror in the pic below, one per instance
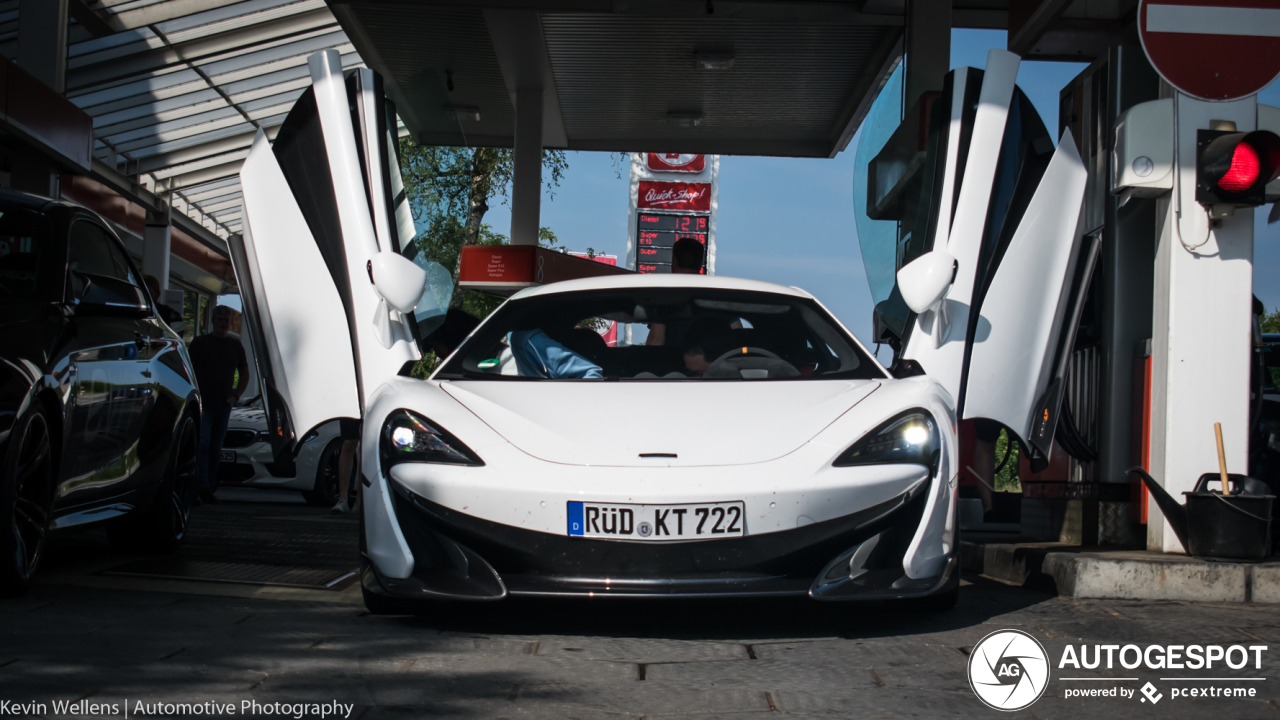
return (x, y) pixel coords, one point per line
(924, 281)
(398, 279)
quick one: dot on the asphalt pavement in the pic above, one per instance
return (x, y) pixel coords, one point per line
(262, 608)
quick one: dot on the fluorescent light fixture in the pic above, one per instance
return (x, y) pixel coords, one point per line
(684, 119)
(713, 60)
(464, 112)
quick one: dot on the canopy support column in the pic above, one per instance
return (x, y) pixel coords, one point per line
(928, 47)
(526, 178)
(155, 248)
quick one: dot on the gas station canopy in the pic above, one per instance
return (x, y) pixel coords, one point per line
(763, 77)
(176, 89)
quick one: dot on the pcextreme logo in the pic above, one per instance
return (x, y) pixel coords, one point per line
(1008, 670)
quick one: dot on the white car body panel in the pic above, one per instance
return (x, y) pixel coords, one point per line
(360, 239)
(304, 323)
(703, 424)
(1022, 314)
(944, 361)
(259, 454)
(955, 128)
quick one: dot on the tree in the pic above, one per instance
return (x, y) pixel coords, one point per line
(449, 190)
(1271, 321)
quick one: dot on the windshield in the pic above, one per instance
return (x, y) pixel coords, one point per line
(692, 334)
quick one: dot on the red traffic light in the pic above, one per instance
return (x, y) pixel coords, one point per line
(1244, 170)
(1233, 168)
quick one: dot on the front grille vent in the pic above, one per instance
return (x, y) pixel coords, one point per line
(239, 438)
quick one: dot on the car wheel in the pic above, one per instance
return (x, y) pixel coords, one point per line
(325, 492)
(26, 494)
(161, 528)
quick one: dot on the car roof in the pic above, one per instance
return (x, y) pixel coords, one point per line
(636, 280)
(25, 200)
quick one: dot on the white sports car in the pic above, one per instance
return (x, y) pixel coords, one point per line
(730, 460)
(759, 450)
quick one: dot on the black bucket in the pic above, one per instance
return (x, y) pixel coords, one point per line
(1229, 527)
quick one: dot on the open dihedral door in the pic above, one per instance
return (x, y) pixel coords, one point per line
(1005, 204)
(320, 201)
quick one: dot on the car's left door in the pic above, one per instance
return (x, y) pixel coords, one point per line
(320, 202)
(1000, 205)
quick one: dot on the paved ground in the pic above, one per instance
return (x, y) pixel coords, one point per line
(114, 638)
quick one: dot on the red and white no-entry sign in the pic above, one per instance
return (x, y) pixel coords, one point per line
(1212, 49)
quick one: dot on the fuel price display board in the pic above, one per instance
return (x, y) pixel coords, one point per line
(673, 197)
(656, 235)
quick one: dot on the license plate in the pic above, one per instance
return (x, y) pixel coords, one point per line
(228, 456)
(620, 521)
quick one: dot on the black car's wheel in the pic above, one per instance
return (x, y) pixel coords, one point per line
(26, 493)
(162, 527)
(325, 492)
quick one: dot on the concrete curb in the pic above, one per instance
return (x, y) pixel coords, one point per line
(1071, 571)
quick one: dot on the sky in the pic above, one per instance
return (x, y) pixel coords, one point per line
(791, 220)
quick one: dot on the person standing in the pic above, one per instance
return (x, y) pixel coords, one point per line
(222, 373)
(686, 259)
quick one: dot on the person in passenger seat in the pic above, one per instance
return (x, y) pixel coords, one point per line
(538, 355)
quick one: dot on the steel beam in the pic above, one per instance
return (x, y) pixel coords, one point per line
(200, 177)
(180, 54)
(766, 10)
(1029, 20)
(885, 60)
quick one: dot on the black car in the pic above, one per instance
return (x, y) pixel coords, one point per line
(99, 412)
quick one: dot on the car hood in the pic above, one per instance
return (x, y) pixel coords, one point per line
(700, 423)
(248, 416)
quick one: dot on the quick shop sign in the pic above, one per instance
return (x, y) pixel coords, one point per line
(1011, 670)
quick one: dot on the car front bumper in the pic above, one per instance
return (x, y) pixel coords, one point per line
(858, 556)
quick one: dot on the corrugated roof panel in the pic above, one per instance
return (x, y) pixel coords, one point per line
(619, 77)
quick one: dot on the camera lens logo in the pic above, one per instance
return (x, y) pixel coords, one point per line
(1008, 670)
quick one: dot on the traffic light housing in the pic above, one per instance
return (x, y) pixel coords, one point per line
(1233, 168)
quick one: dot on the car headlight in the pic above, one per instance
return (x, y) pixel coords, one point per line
(409, 437)
(911, 437)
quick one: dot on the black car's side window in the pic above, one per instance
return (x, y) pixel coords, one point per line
(100, 273)
(23, 236)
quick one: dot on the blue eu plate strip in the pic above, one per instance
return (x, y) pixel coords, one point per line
(575, 518)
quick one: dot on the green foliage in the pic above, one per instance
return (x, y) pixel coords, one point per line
(1007, 479)
(449, 189)
(1271, 321)
(424, 367)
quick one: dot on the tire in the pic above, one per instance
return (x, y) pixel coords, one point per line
(161, 528)
(26, 499)
(325, 492)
